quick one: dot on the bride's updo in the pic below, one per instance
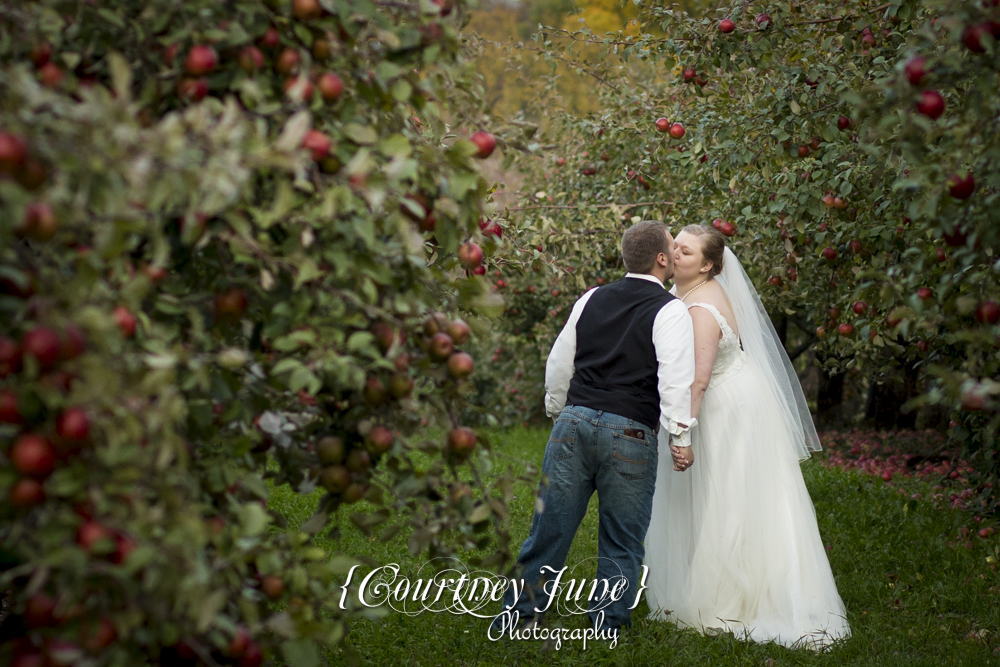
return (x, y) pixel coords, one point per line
(713, 245)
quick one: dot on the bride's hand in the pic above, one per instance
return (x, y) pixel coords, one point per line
(683, 457)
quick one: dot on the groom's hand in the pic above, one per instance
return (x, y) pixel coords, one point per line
(683, 457)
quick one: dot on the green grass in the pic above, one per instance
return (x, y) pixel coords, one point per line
(911, 599)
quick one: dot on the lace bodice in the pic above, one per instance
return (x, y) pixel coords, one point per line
(730, 355)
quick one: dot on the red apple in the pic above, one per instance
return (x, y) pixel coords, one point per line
(193, 89)
(828, 200)
(73, 424)
(689, 74)
(803, 151)
(961, 188)
(270, 38)
(461, 442)
(445, 5)
(441, 346)
(317, 143)
(39, 223)
(470, 255)
(298, 89)
(923, 346)
(10, 412)
(74, 342)
(125, 320)
(201, 60)
(124, 546)
(860, 307)
(676, 130)
(251, 59)
(843, 122)
(972, 37)
(91, 533)
(252, 657)
(460, 365)
(820, 332)
(50, 75)
(239, 644)
(230, 304)
(272, 585)
(972, 400)
(957, 237)
(33, 456)
(829, 253)
(925, 293)
(775, 281)
(940, 254)
(13, 152)
(358, 460)
(10, 357)
(374, 391)
(728, 228)
(763, 21)
(44, 345)
(39, 611)
(27, 492)
(41, 53)
(662, 124)
(717, 224)
(287, 61)
(988, 312)
(379, 440)
(459, 332)
(915, 71)
(330, 86)
(306, 9)
(931, 104)
(96, 637)
(485, 142)
(855, 246)
(726, 26)
(845, 329)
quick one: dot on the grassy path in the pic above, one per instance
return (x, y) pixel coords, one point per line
(911, 598)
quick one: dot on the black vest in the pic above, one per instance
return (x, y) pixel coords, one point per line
(615, 359)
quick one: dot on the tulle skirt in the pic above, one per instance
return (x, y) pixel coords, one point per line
(733, 543)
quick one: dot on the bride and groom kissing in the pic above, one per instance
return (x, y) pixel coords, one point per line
(724, 524)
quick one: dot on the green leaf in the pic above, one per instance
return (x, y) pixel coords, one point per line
(360, 134)
(396, 145)
(300, 652)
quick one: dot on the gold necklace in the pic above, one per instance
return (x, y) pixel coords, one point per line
(693, 289)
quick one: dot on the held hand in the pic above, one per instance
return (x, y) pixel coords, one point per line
(683, 457)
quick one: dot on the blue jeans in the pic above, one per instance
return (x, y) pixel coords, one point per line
(589, 450)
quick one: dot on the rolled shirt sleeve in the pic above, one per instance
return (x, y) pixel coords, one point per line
(560, 365)
(673, 339)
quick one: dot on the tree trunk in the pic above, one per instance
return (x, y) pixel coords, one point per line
(829, 399)
(781, 327)
(885, 400)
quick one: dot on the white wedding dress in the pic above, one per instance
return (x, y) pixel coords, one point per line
(733, 541)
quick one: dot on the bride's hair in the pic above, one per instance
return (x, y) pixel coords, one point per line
(713, 245)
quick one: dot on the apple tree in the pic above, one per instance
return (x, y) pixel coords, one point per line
(238, 246)
(846, 148)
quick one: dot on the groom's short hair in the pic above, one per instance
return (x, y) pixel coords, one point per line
(641, 244)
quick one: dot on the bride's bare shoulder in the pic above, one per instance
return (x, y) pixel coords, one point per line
(712, 293)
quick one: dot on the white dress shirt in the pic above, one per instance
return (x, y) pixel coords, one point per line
(673, 340)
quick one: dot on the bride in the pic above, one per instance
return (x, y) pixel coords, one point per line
(733, 542)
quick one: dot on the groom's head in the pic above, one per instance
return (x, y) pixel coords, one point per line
(647, 247)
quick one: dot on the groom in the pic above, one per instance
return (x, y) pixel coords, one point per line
(621, 369)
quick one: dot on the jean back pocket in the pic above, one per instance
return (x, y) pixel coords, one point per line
(630, 456)
(562, 440)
